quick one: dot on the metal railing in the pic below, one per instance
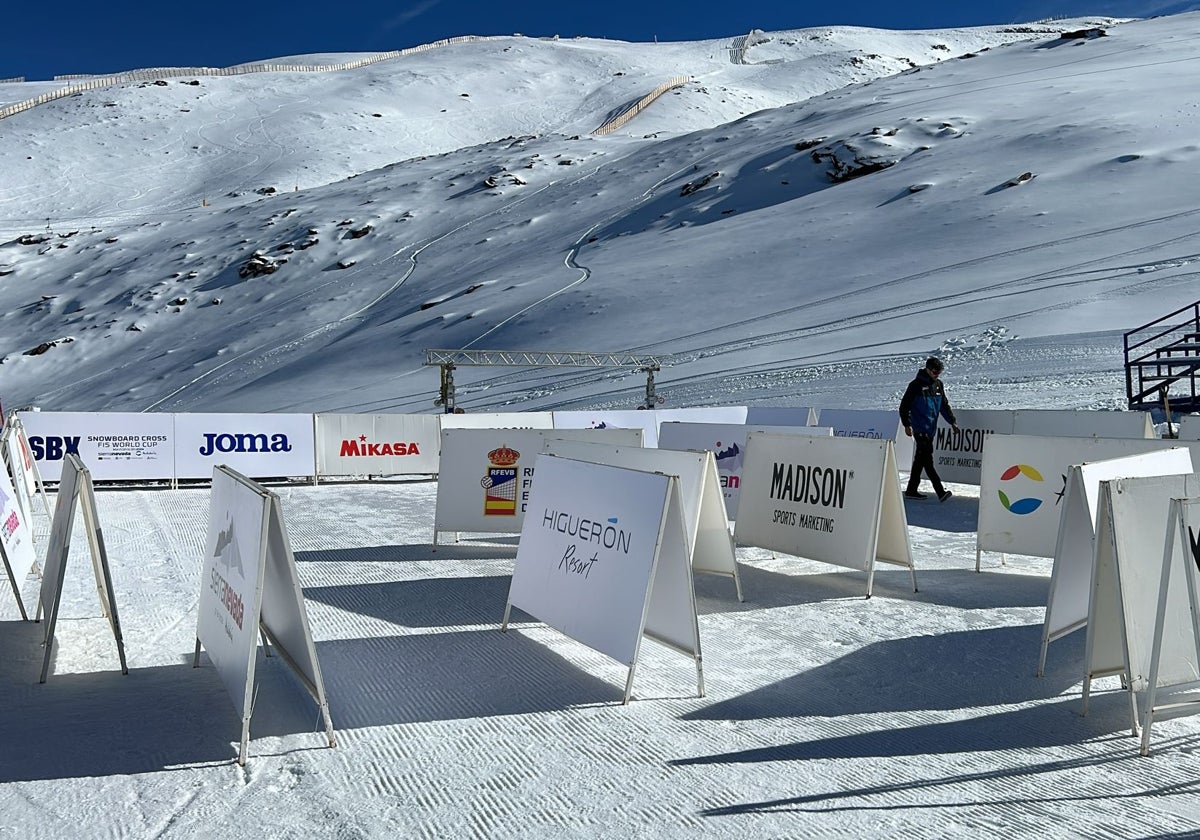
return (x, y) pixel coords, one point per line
(1164, 353)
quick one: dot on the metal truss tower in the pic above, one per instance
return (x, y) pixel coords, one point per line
(448, 360)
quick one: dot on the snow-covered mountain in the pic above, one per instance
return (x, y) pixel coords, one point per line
(798, 223)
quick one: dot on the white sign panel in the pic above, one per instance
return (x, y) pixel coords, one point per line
(958, 455)
(75, 486)
(1175, 650)
(1126, 576)
(727, 442)
(647, 421)
(1071, 577)
(377, 444)
(1127, 572)
(766, 415)
(249, 583)
(16, 539)
(1101, 424)
(231, 583)
(603, 559)
(485, 475)
(283, 617)
(874, 425)
(1189, 427)
(255, 445)
(1024, 482)
(710, 545)
(115, 446)
(836, 500)
(498, 420)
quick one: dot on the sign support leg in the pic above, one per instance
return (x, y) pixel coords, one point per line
(1041, 669)
(12, 580)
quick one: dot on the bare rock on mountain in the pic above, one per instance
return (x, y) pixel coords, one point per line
(260, 264)
(692, 186)
(853, 158)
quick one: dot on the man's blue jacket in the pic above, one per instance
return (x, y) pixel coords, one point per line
(923, 400)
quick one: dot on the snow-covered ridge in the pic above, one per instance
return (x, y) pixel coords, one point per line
(493, 219)
(154, 74)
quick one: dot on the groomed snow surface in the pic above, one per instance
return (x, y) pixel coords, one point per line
(826, 715)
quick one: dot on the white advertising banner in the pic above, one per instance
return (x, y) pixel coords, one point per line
(255, 445)
(485, 475)
(248, 583)
(16, 539)
(831, 499)
(703, 414)
(647, 421)
(1189, 427)
(377, 444)
(767, 415)
(115, 446)
(603, 559)
(874, 425)
(1126, 577)
(498, 420)
(710, 545)
(1175, 647)
(958, 456)
(75, 487)
(1071, 577)
(1024, 481)
(1101, 424)
(727, 442)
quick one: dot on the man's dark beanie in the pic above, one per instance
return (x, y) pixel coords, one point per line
(934, 363)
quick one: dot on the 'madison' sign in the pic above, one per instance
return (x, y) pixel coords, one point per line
(825, 498)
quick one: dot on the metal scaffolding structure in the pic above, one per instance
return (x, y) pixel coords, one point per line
(448, 360)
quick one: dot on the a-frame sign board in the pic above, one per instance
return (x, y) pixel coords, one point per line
(75, 486)
(1071, 576)
(16, 540)
(710, 545)
(603, 558)
(832, 499)
(1175, 651)
(27, 479)
(249, 586)
(1130, 535)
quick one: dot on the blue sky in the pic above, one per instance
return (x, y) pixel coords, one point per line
(89, 37)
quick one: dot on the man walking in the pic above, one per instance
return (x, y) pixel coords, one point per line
(923, 402)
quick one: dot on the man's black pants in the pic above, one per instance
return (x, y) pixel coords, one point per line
(923, 461)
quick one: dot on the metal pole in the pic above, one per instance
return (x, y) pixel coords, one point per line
(651, 399)
(447, 393)
(1167, 411)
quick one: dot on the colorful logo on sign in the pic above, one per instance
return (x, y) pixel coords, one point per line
(1020, 507)
(228, 555)
(500, 482)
